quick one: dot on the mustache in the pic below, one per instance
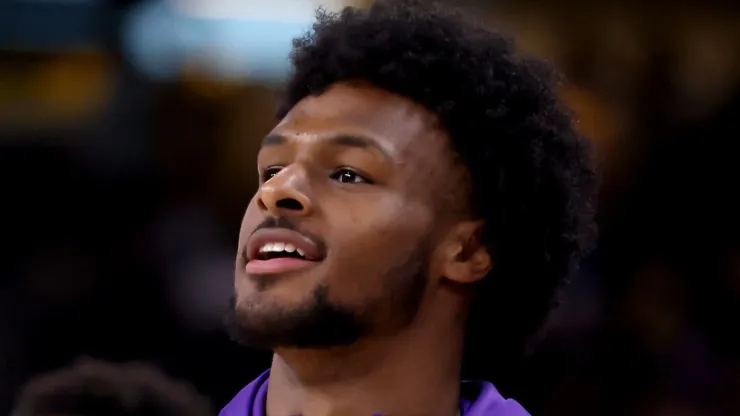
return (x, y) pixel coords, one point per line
(290, 224)
(277, 222)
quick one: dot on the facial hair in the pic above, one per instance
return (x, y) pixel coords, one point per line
(322, 323)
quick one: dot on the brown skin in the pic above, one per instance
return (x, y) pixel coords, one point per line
(407, 363)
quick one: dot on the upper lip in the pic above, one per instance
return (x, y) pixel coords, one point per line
(282, 235)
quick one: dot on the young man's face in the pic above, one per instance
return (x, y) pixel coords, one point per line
(339, 241)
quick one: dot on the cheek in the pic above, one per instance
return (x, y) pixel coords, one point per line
(370, 242)
(385, 223)
(250, 221)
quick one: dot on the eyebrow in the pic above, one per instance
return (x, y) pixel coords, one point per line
(345, 140)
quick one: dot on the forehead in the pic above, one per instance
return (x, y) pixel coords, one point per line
(399, 125)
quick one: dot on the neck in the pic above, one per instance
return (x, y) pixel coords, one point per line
(415, 372)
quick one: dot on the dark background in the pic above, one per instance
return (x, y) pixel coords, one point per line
(122, 189)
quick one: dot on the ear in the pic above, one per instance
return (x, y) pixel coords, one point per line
(465, 259)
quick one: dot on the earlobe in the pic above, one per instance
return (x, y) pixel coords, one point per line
(481, 263)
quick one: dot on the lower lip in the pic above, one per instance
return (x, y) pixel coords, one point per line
(277, 266)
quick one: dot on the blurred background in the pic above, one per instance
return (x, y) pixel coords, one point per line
(128, 133)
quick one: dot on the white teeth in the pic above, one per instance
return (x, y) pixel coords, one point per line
(278, 247)
(265, 248)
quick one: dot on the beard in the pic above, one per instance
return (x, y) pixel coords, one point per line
(320, 322)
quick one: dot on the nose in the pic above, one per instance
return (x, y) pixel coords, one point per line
(285, 194)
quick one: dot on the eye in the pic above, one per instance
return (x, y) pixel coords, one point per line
(269, 173)
(345, 175)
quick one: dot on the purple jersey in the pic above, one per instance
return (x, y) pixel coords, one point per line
(488, 402)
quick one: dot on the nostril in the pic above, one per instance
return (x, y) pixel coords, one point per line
(261, 204)
(289, 203)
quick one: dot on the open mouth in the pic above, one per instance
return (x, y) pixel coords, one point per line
(270, 251)
(277, 251)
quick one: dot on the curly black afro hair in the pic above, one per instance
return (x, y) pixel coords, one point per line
(530, 169)
(92, 388)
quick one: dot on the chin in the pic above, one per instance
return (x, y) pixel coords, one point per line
(315, 322)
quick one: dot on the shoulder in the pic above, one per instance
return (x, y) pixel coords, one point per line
(483, 399)
(250, 401)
